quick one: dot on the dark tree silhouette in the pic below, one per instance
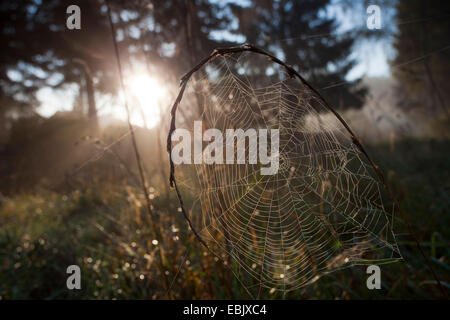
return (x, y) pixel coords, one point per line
(40, 51)
(423, 31)
(303, 34)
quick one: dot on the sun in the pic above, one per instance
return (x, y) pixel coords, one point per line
(148, 93)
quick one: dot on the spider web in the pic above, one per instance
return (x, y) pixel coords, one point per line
(322, 211)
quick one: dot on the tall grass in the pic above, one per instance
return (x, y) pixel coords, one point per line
(104, 228)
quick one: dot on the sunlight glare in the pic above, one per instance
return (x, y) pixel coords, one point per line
(148, 92)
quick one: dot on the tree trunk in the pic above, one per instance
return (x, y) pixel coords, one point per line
(90, 91)
(432, 84)
(3, 127)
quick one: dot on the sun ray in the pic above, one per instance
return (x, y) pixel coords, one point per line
(147, 94)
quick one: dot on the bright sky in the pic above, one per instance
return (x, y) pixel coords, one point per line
(372, 58)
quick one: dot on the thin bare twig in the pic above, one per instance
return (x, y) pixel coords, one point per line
(135, 147)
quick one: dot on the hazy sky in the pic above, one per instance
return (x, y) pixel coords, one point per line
(372, 58)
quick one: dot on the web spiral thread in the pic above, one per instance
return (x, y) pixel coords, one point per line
(323, 209)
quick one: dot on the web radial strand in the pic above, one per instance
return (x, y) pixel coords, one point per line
(322, 210)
